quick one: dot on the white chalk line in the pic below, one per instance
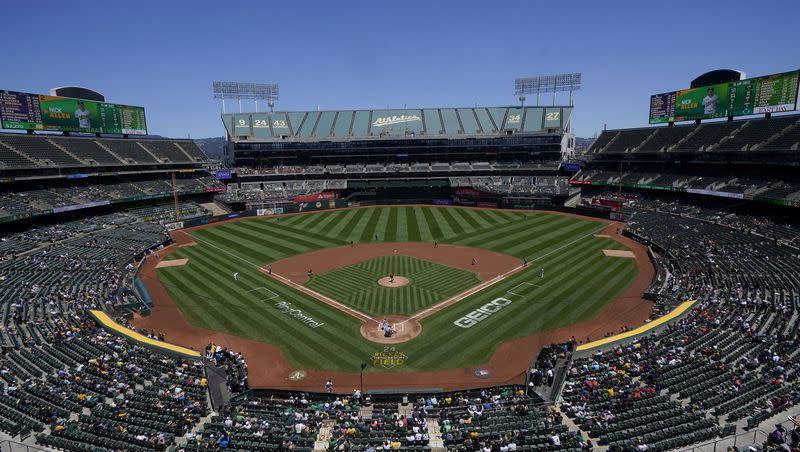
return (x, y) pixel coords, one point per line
(520, 286)
(324, 298)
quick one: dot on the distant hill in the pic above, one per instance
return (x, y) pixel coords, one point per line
(213, 147)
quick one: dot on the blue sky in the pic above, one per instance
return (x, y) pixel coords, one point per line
(372, 54)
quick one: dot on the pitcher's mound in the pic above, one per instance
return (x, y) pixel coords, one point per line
(397, 282)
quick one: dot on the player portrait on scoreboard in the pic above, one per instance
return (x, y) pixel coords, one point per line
(710, 101)
(83, 116)
(705, 102)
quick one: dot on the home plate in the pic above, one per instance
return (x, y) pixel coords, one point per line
(619, 253)
(172, 263)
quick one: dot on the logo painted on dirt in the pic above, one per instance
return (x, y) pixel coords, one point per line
(481, 313)
(297, 375)
(389, 357)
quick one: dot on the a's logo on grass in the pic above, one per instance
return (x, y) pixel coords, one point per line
(297, 375)
(388, 358)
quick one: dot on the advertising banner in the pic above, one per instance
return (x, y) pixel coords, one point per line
(268, 212)
(323, 196)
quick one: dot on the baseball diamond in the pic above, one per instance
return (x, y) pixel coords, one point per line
(581, 281)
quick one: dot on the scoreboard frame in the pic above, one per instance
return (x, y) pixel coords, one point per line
(59, 113)
(734, 99)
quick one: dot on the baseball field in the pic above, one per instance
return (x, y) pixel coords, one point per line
(309, 283)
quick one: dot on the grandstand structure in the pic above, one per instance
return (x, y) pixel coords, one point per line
(748, 159)
(506, 152)
(44, 175)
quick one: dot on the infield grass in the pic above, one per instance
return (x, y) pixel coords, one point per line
(356, 285)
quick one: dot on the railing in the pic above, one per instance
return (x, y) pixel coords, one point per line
(756, 436)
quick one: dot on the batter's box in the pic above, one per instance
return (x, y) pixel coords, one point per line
(520, 288)
(263, 290)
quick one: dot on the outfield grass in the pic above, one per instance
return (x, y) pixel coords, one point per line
(356, 285)
(579, 281)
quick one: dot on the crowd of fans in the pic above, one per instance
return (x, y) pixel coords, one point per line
(63, 378)
(26, 201)
(734, 357)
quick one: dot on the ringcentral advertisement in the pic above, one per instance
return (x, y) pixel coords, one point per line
(752, 96)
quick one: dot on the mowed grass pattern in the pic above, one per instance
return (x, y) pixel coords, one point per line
(579, 281)
(356, 285)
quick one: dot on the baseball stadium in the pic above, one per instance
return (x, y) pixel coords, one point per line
(430, 279)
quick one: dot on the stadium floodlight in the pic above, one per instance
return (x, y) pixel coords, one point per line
(255, 91)
(547, 84)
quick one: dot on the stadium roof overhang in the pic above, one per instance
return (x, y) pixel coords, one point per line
(433, 123)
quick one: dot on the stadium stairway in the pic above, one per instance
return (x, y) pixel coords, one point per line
(324, 436)
(406, 409)
(189, 158)
(148, 152)
(365, 411)
(573, 427)
(108, 149)
(215, 208)
(217, 386)
(435, 435)
(67, 151)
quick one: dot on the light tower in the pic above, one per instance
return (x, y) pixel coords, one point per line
(547, 84)
(255, 91)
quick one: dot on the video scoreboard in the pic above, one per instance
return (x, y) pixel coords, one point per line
(767, 94)
(40, 112)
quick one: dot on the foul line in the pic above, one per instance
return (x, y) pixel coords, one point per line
(272, 295)
(595, 231)
(227, 252)
(453, 300)
(325, 299)
(519, 286)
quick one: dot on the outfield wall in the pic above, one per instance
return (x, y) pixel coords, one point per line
(311, 206)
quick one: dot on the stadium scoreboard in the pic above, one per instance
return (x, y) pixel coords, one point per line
(767, 94)
(40, 112)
